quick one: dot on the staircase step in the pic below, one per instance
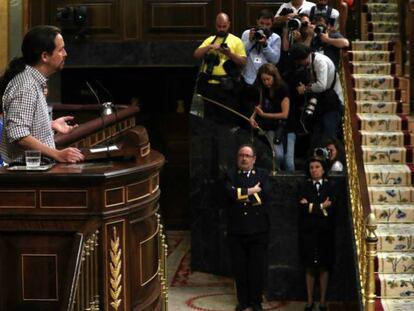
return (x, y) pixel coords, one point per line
(389, 304)
(396, 285)
(383, 82)
(386, 155)
(391, 194)
(396, 262)
(372, 68)
(370, 138)
(367, 106)
(379, 17)
(371, 46)
(377, 175)
(376, 94)
(379, 122)
(371, 56)
(381, 26)
(380, 7)
(395, 237)
(390, 36)
(394, 213)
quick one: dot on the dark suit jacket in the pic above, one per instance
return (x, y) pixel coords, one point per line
(247, 214)
(316, 225)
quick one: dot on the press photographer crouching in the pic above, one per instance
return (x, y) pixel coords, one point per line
(223, 55)
(322, 92)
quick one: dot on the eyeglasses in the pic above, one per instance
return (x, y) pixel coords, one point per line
(242, 155)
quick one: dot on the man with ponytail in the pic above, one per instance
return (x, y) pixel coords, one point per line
(26, 120)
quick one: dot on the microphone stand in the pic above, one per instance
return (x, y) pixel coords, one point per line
(261, 131)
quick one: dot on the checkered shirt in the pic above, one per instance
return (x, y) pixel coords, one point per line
(25, 113)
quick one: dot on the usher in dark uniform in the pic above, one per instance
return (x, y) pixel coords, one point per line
(248, 226)
(316, 225)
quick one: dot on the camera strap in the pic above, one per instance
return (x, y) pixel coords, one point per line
(327, 14)
(216, 37)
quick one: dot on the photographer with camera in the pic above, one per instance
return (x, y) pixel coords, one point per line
(322, 91)
(223, 54)
(327, 40)
(274, 116)
(333, 152)
(262, 46)
(322, 8)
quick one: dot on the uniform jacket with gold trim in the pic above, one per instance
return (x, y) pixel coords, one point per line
(247, 214)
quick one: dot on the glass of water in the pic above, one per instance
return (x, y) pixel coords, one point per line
(32, 158)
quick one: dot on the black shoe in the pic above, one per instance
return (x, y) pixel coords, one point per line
(309, 308)
(323, 308)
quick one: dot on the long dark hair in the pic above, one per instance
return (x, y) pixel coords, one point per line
(37, 40)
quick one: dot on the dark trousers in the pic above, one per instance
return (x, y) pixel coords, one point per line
(249, 259)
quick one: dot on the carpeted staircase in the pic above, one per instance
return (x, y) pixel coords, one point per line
(387, 140)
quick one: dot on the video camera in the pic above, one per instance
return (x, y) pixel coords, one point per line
(211, 60)
(261, 33)
(310, 106)
(320, 29)
(322, 152)
(294, 23)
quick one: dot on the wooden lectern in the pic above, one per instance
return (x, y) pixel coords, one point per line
(83, 236)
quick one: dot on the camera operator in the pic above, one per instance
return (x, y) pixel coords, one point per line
(262, 46)
(323, 94)
(327, 40)
(322, 8)
(223, 54)
(293, 8)
(333, 152)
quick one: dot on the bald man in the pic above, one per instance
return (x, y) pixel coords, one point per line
(223, 57)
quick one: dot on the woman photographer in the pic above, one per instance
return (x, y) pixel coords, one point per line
(316, 229)
(336, 158)
(272, 114)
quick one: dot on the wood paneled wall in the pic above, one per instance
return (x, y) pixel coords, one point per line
(152, 20)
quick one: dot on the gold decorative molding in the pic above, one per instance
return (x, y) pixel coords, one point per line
(113, 191)
(4, 34)
(139, 190)
(115, 266)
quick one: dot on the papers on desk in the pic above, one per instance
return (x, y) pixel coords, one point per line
(103, 149)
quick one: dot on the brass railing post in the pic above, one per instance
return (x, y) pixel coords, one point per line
(371, 240)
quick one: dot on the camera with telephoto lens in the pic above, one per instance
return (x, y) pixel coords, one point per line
(310, 106)
(294, 23)
(322, 153)
(211, 60)
(261, 33)
(320, 29)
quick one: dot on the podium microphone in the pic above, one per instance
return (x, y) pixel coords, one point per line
(102, 117)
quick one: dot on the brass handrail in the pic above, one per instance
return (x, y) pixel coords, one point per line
(357, 191)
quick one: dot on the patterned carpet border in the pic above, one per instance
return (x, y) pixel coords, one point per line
(192, 303)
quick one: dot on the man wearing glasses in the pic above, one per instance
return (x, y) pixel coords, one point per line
(248, 191)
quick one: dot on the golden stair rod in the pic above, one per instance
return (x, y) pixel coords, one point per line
(162, 273)
(87, 296)
(371, 240)
(357, 187)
